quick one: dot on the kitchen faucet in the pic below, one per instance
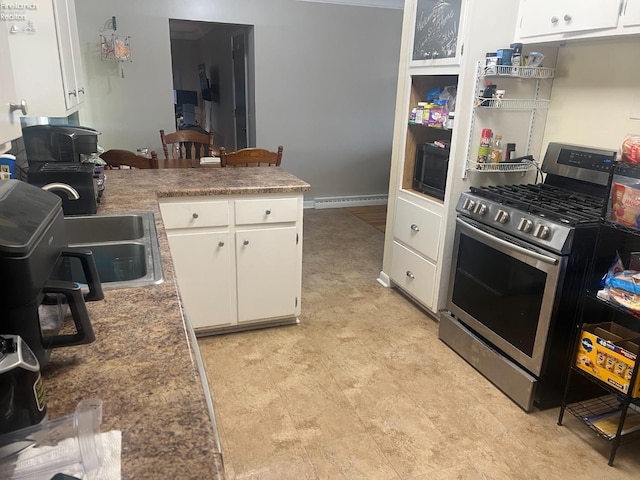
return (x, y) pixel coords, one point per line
(71, 192)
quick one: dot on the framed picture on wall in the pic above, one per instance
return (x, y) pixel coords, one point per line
(436, 33)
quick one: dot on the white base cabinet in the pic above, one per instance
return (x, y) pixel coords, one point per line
(238, 261)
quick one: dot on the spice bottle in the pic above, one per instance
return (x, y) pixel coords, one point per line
(483, 151)
(495, 149)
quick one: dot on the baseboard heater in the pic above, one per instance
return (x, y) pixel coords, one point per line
(350, 201)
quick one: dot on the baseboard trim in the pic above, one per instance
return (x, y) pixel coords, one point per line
(350, 201)
(384, 280)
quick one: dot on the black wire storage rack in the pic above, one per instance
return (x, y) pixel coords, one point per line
(615, 414)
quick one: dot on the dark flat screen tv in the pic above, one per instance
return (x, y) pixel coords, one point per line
(185, 97)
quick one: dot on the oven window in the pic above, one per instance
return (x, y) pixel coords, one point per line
(499, 291)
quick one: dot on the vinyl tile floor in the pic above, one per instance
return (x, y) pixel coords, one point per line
(363, 389)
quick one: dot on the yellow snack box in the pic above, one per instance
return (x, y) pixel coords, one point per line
(608, 352)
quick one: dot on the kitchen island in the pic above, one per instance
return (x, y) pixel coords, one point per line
(143, 364)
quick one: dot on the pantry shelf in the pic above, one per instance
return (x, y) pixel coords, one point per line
(501, 167)
(525, 104)
(602, 415)
(516, 72)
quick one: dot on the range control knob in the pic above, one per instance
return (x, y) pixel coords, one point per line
(480, 209)
(501, 216)
(541, 231)
(525, 225)
(468, 204)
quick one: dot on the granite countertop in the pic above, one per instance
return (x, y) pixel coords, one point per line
(142, 363)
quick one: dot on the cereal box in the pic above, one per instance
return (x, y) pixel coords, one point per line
(608, 351)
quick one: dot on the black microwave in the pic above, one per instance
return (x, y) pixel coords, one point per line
(430, 169)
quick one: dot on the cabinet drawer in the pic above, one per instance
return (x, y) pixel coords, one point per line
(418, 228)
(413, 274)
(264, 210)
(195, 214)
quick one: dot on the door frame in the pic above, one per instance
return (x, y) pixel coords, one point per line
(241, 33)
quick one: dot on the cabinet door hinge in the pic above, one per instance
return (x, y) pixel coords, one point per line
(296, 302)
(297, 238)
(462, 50)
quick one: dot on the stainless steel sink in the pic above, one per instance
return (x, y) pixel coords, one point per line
(104, 228)
(125, 249)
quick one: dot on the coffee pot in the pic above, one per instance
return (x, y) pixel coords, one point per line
(32, 246)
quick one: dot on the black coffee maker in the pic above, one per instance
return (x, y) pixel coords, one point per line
(32, 245)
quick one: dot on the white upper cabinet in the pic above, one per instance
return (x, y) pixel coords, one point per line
(557, 20)
(631, 14)
(45, 56)
(9, 116)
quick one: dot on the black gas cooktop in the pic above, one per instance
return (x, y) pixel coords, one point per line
(546, 201)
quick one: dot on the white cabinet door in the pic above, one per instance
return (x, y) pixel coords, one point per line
(204, 268)
(631, 17)
(69, 49)
(50, 83)
(9, 121)
(549, 17)
(267, 273)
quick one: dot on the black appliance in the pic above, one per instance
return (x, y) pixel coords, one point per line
(32, 245)
(22, 398)
(58, 143)
(80, 176)
(519, 264)
(430, 169)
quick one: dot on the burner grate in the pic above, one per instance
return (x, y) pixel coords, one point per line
(547, 201)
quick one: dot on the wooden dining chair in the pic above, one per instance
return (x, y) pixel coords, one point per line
(250, 157)
(187, 144)
(117, 158)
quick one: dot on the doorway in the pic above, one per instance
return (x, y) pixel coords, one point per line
(215, 62)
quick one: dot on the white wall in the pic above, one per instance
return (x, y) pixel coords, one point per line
(325, 79)
(595, 89)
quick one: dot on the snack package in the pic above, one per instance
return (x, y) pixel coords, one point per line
(630, 149)
(615, 268)
(625, 204)
(627, 280)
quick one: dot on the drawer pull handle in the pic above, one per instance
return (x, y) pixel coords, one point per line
(415, 227)
(267, 211)
(410, 275)
(554, 19)
(72, 93)
(246, 242)
(567, 18)
(195, 215)
(221, 244)
(81, 90)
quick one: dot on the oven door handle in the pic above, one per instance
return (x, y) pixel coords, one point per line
(505, 243)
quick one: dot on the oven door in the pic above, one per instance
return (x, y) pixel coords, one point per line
(505, 290)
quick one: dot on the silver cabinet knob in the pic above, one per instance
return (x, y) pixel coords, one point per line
(410, 274)
(221, 244)
(567, 17)
(195, 215)
(415, 227)
(22, 107)
(81, 90)
(267, 211)
(246, 242)
(73, 93)
(554, 19)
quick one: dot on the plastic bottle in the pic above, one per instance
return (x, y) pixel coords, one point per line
(420, 113)
(412, 115)
(495, 148)
(483, 151)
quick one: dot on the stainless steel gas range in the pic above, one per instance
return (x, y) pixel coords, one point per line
(519, 263)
